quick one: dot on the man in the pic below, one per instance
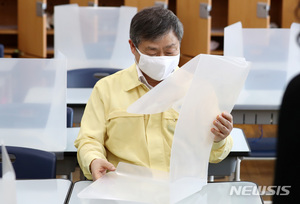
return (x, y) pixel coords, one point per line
(109, 134)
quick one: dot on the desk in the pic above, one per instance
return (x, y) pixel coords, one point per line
(76, 99)
(67, 160)
(78, 96)
(46, 191)
(218, 192)
(252, 107)
(257, 107)
(72, 134)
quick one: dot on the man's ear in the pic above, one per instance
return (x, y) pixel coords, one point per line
(132, 47)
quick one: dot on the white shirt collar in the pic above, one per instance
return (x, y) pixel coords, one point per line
(142, 78)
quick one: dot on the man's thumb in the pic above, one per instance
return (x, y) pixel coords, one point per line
(110, 166)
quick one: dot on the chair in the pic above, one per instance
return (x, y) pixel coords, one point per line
(70, 116)
(1, 50)
(264, 147)
(223, 168)
(31, 163)
(87, 77)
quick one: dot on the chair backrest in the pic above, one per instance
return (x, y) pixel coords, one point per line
(32, 163)
(87, 77)
(223, 168)
(263, 147)
(70, 116)
(1, 50)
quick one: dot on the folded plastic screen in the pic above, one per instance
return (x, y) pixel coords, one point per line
(94, 36)
(203, 88)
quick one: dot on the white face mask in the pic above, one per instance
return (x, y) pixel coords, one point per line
(158, 67)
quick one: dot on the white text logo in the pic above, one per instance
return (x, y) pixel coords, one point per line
(260, 190)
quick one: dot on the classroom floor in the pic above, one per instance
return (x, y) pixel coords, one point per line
(260, 172)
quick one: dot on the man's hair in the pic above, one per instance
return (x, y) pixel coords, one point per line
(153, 23)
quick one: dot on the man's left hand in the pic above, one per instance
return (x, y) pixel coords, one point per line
(223, 126)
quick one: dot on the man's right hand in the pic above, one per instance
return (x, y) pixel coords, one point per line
(99, 167)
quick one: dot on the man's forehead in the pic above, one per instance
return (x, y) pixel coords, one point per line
(154, 46)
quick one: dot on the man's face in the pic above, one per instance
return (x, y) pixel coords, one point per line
(167, 45)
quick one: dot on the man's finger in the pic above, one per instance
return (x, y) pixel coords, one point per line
(109, 166)
(224, 121)
(227, 116)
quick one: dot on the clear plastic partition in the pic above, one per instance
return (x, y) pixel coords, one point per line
(8, 179)
(94, 36)
(33, 103)
(273, 54)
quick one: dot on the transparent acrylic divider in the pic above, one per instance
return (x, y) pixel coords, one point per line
(203, 88)
(273, 53)
(33, 103)
(7, 182)
(94, 36)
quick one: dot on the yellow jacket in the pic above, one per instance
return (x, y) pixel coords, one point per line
(109, 132)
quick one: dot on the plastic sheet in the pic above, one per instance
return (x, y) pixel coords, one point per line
(8, 180)
(130, 183)
(33, 103)
(203, 88)
(93, 36)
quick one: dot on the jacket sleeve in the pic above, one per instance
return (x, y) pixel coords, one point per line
(220, 150)
(91, 137)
